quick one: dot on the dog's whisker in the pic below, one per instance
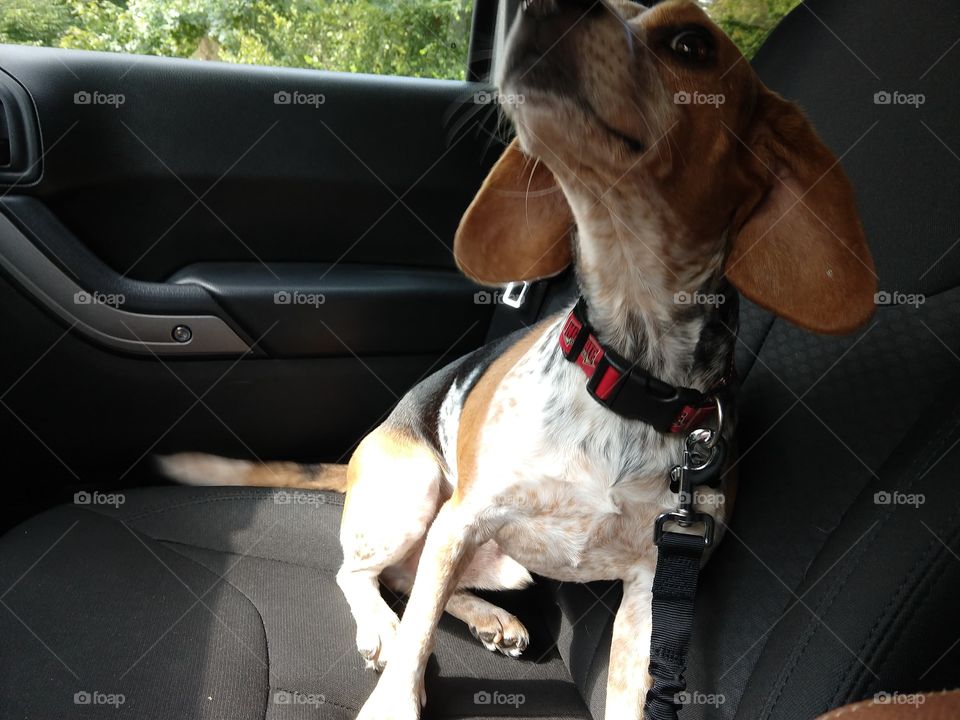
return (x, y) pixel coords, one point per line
(471, 114)
(643, 117)
(526, 199)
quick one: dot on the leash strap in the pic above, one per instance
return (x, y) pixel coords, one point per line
(678, 569)
(674, 592)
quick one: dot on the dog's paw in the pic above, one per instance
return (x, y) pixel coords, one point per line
(501, 631)
(375, 636)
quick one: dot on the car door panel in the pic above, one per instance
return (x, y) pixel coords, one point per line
(241, 196)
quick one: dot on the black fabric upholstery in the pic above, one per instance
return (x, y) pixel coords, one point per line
(221, 603)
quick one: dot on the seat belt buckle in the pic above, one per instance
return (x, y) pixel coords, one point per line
(515, 294)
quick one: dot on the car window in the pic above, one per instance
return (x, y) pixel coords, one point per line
(420, 38)
(748, 22)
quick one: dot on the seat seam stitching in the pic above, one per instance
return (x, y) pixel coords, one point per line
(256, 495)
(852, 679)
(263, 626)
(827, 599)
(910, 582)
(246, 555)
(895, 631)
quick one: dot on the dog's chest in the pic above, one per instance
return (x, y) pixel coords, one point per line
(575, 531)
(572, 489)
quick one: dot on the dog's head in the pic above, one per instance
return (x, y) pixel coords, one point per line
(655, 116)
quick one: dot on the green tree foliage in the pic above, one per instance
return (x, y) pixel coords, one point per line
(421, 38)
(33, 22)
(748, 22)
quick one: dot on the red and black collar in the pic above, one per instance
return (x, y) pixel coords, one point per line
(630, 391)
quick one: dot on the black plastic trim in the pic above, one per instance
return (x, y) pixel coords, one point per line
(101, 317)
(23, 133)
(77, 262)
(326, 309)
(483, 31)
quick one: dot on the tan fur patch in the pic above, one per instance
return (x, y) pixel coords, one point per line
(518, 225)
(211, 470)
(477, 407)
(384, 448)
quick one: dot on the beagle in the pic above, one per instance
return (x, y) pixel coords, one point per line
(650, 156)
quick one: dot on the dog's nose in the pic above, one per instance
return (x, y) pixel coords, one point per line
(546, 8)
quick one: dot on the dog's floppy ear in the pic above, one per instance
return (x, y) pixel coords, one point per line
(518, 225)
(800, 251)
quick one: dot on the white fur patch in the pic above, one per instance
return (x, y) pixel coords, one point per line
(448, 422)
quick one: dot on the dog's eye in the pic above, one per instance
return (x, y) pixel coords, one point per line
(691, 45)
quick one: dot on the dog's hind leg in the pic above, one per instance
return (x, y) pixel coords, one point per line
(497, 629)
(489, 569)
(491, 625)
(395, 486)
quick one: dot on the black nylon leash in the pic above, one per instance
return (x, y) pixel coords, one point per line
(674, 592)
(678, 569)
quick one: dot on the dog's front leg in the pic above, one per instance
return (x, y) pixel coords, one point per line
(628, 678)
(449, 546)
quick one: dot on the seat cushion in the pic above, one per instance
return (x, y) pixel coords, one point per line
(222, 603)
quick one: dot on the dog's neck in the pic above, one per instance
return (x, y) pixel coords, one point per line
(649, 288)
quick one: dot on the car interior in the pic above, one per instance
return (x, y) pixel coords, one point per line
(205, 268)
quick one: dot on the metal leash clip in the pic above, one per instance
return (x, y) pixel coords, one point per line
(704, 456)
